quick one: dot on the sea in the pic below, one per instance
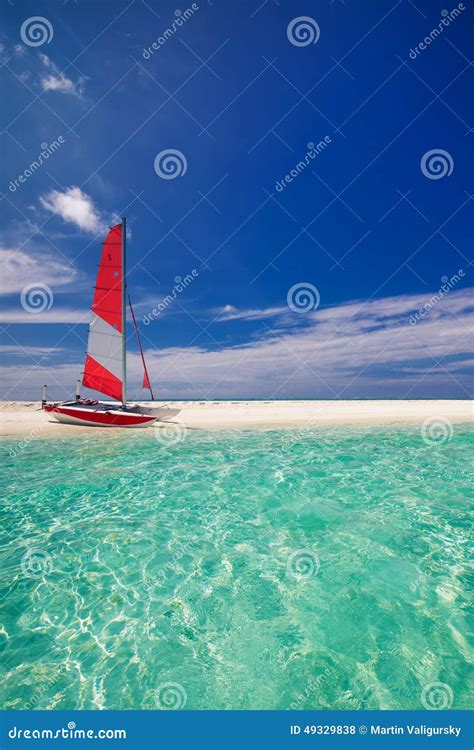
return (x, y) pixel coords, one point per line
(322, 567)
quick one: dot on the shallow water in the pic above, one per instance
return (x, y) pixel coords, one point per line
(316, 568)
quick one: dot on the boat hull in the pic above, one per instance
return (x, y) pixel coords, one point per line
(101, 417)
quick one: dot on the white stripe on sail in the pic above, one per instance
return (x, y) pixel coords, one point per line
(105, 346)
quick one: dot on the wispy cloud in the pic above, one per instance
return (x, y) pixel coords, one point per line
(26, 382)
(229, 312)
(56, 80)
(56, 315)
(20, 268)
(31, 351)
(340, 349)
(76, 207)
(352, 350)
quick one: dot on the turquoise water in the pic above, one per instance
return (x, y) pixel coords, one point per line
(322, 568)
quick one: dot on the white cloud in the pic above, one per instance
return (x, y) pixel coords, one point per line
(353, 350)
(56, 315)
(58, 81)
(27, 382)
(229, 312)
(30, 351)
(76, 207)
(20, 268)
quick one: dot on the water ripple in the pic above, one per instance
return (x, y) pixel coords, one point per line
(280, 569)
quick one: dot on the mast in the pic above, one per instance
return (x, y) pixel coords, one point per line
(124, 313)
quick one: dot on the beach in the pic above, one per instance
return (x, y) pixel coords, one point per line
(24, 417)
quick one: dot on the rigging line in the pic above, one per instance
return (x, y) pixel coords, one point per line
(141, 350)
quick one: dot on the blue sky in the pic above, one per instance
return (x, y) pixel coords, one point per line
(366, 221)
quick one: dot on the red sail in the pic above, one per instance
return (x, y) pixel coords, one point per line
(103, 370)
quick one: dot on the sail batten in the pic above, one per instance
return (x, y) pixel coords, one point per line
(103, 369)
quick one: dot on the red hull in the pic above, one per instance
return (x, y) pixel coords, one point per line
(99, 418)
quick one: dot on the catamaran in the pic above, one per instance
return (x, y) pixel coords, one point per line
(105, 367)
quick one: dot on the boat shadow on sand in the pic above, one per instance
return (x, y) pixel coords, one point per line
(163, 425)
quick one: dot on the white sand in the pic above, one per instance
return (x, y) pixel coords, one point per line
(26, 417)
